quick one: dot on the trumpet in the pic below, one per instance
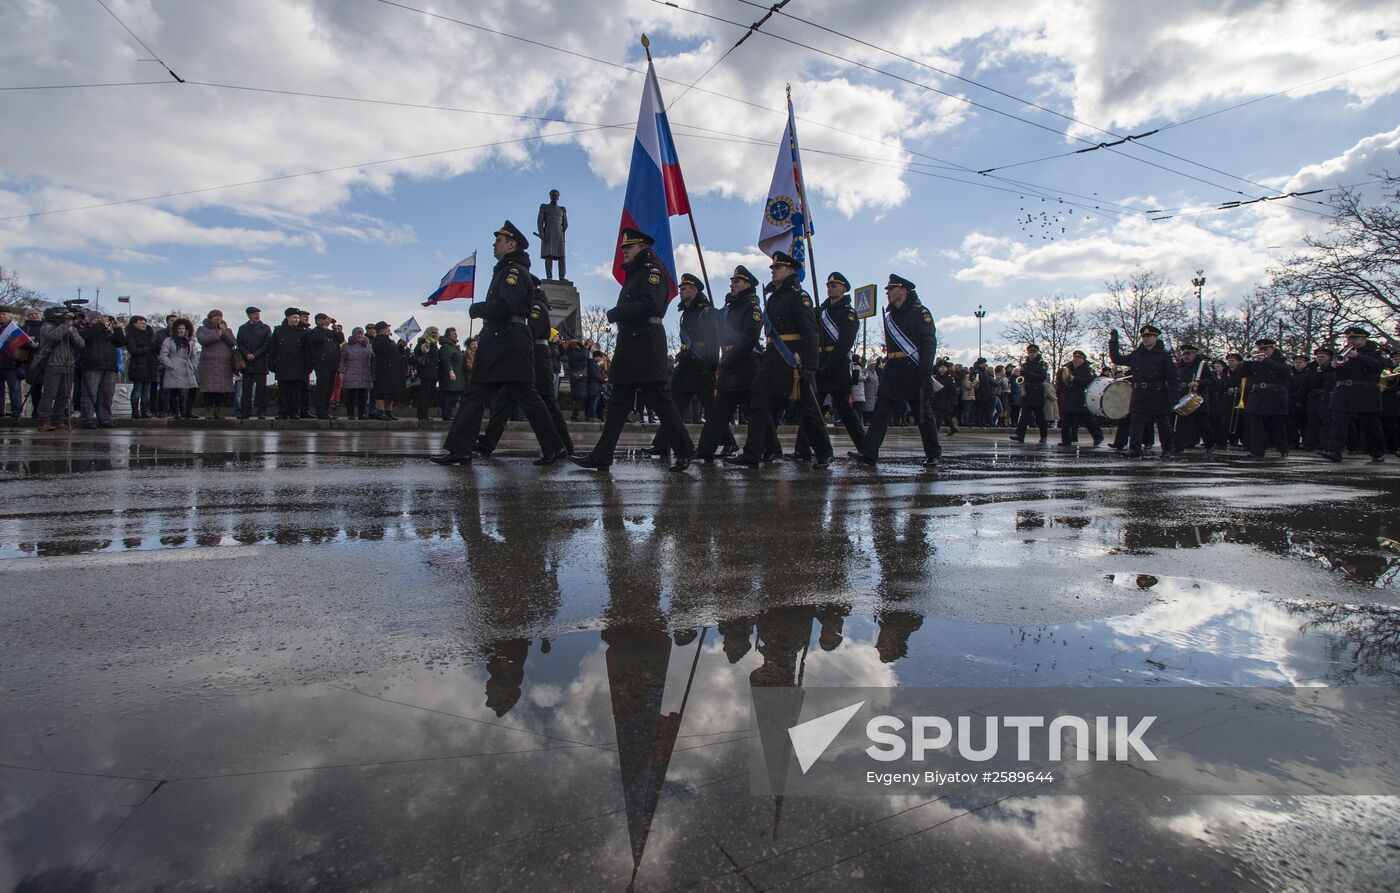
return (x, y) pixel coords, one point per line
(1388, 379)
(1020, 379)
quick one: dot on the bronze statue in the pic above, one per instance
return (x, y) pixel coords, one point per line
(552, 223)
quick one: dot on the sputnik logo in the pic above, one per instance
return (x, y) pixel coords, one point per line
(810, 739)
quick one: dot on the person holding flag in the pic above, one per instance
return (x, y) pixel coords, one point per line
(460, 282)
(15, 346)
(639, 362)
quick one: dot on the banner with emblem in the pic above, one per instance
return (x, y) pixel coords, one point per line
(786, 221)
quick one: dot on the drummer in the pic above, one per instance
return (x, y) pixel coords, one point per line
(1197, 377)
(1155, 385)
(1077, 412)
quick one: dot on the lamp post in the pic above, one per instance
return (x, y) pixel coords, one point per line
(1200, 282)
(980, 314)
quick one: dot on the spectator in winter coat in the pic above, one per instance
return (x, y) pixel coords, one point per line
(425, 358)
(290, 360)
(177, 358)
(254, 340)
(9, 373)
(357, 374)
(389, 372)
(452, 373)
(217, 344)
(143, 365)
(59, 343)
(99, 369)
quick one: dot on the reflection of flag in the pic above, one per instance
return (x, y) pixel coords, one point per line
(460, 282)
(655, 187)
(14, 339)
(408, 329)
(786, 221)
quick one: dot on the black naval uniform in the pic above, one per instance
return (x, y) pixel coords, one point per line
(544, 383)
(905, 379)
(1268, 402)
(1155, 385)
(639, 361)
(834, 369)
(1357, 398)
(1197, 425)
(738, 327)
(1034, 372)
(790, 318)
(504, 360)
(1076, 409)
(694, 375)
(1316, 383)
(1390, 416)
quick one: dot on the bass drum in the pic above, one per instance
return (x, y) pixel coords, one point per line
(1109, 397)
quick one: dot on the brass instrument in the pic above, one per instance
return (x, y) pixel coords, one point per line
(1065, 375)
(1389, 378)
(1020, 379)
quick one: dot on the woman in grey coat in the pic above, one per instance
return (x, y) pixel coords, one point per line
(357, 369)
(177, 358)
(217, 344)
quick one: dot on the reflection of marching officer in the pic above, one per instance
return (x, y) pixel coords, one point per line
(1155, 385)
(910, 343)
(504, 355)
(1080, 375)
(837, 326)
(639, 361)
(738, 326)
(1357, 396)
(694, 375)
(787, 370)
(1270, 398)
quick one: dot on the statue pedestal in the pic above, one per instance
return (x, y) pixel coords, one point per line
(563, 307)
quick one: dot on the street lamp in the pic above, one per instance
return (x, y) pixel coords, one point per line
(980, 314)
(1200, 282)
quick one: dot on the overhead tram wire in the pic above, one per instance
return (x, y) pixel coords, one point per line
(1117, 136)
(747, 34)
(154, 57)
(162, 83)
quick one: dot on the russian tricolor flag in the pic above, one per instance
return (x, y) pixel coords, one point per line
(655, 187)
(13, 339)
(460, 282)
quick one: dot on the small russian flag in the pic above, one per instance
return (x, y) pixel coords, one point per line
(460, 282)
(13, 339)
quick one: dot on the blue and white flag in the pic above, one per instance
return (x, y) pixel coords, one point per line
(408, 329)
(786, 220)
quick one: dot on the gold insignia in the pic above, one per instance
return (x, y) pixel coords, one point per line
(654, 278)
(757, 317)
(927, 316)
(511, 279)
(535, 314)
(806, 301)
(851, 315)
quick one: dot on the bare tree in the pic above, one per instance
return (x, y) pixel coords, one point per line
(1352, 274)
(1052, 322)
(14, 293)
(1144, 297)
(593, 326)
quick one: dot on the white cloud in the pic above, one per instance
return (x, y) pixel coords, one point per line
(908, 257)
(1358, 164)
(130, 256)
(240, 273)
(720, 264)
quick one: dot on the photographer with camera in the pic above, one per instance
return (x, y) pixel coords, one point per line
(103, 338)
(59, 343)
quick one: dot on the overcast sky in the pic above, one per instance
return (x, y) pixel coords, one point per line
(891, 157)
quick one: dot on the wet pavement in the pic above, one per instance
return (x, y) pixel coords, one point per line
(280, 659)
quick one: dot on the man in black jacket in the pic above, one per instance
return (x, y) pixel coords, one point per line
(323, 353)
(540, 330)
(911, 341)
(837, 328)
(694, 375)
(1196, 377)
(505, 355)
(639, 362)
(1077, 413)
(290, 361)
(1318, 380)
(738, 326)
(1155, 386)
(577, 357)
(1356, 398)
(1034, 374)
(103, 338)
(787, 369)
(1267, 404)
(254, 339)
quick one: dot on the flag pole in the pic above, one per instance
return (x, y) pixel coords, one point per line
(690, 212)
(802, 197)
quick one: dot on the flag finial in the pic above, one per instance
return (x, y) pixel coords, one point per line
(646, 41)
